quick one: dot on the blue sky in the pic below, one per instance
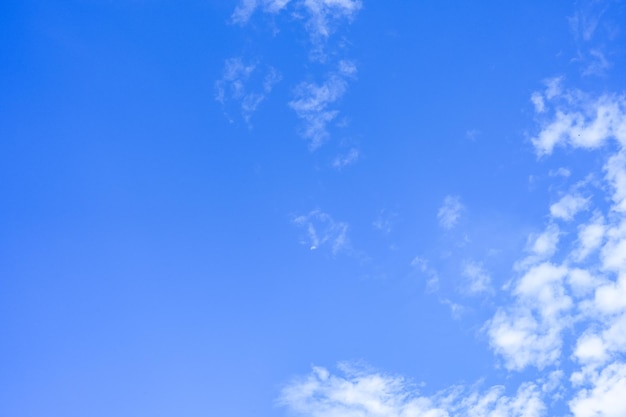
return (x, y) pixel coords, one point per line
(313, 208)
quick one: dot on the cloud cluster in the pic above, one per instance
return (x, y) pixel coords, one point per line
(577, 287)
(577, 120)
(564, 313)
(313, 102)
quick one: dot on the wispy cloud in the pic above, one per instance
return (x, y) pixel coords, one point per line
(313, 103)
(422, 265)
(450, 212)
(246, 8)
(365, 393)
(385, 221)
(349, 158)
(321, 231)
(478, 279)
(320, 17)
(592, 32)
(568, 206)
(234, 86)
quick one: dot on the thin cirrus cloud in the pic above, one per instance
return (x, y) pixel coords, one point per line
(349, 158)
(322, 231)
(563, 314)
(590, 32)
(321, 15)
(313, 104)
(478, 279)
(234, 86)
(450, 212)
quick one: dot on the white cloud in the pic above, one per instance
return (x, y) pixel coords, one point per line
(323, 12)
(450, 212)
(362, 393)
(322, 231)
(538, 102)
(568, 206)
(422, 265)
(590, 237)
(312, 103)
(528, 333)
(479, 280)
(579, 121)
(320, 16)
(342, 161)
(565, 306)
(234, 86)
(605, 397)
(561, 292)
(540, 247)
(246, 8)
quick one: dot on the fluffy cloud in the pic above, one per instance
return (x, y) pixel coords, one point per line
(605, 398)
(568, 206)
(565, 307)
(578, 120)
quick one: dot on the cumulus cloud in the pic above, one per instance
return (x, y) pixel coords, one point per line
(528, 333)
(590, 237)
(564, 309)
(363, 393)
(568, 206)
(575, 292)
(235, 86)
(578, 120)
(313, 103)
(605, 397)
(323, 231)
(450, 212)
